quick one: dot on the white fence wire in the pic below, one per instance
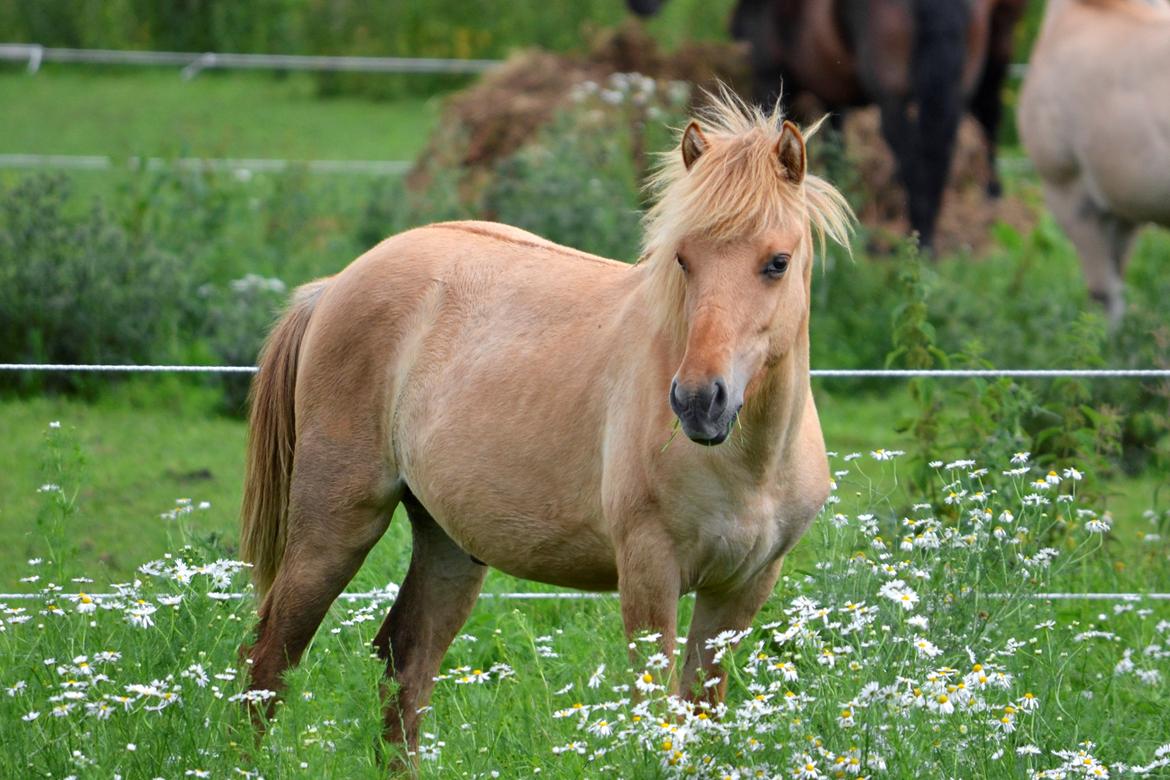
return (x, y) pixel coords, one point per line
(89, 162)
(34, 55)
(192, 63)
(243, 165)
(889, 373)
(830, 373)
(387, 595)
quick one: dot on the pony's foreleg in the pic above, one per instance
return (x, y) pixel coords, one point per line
(436, 597)
(716, 612)
(649, 587)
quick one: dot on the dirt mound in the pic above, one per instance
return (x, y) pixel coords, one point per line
(499, 114)
(496, 116)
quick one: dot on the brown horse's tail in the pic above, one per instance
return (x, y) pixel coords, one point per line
(271, 441)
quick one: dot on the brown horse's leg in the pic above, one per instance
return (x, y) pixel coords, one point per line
(648, 583)
(332, 525)
(436, 597)
(715, 613)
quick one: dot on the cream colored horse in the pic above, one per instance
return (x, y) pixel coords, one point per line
(1095, 118)
(516, 397)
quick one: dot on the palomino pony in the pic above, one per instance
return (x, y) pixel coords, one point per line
(1095, 118)
(934, 55)
(516, 396)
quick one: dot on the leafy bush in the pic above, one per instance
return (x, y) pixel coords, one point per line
(80, 288)
(162, 270)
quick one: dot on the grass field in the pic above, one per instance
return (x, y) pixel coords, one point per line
(144, 446)
(866, 662)
(155, 113)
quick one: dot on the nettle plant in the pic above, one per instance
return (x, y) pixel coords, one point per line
(991, 418)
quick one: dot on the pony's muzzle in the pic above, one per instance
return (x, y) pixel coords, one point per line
(704, 410)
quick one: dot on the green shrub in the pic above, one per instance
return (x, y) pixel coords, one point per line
(79, 288)
(574, 187)
(163, 269)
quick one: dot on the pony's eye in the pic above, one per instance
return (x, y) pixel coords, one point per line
(681, 263)
(777, 265)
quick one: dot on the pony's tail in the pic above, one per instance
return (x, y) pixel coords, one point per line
(272, 440)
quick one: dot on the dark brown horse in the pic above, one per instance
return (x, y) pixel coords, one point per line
(934, 55)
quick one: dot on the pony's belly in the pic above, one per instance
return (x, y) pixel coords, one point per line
(552, 550)
(598, 577)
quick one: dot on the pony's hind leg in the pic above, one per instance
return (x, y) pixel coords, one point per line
(333, 523)
(1102, 242)
(436, 597)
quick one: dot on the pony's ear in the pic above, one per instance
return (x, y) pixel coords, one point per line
(694, 143)
(790, 152)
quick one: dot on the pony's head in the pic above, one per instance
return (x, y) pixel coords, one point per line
(730, 244)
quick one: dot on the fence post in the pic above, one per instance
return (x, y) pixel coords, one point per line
(36, 54)
(204, 60)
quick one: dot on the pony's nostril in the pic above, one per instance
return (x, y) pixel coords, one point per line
(675, 402)
(719, 399)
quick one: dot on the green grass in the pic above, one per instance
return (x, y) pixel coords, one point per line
(1062, 686)
(138, 458)
(156, 113)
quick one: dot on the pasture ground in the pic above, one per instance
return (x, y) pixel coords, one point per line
(937, 659)
(154, 113)
(148, 443)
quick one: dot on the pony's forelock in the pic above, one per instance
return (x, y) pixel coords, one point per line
(737, 188)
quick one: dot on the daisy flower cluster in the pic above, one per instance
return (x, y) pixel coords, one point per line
(903, 648)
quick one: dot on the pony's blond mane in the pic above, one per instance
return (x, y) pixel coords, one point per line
(737, 189)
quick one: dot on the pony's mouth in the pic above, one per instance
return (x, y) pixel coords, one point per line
(706, 434)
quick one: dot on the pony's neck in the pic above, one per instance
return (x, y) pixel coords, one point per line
(771, 418)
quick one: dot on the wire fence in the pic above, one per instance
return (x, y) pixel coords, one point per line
(243, 165)
(192, 63)
(89, 162)
(389, 595)
(572, 595)
(828, 373)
